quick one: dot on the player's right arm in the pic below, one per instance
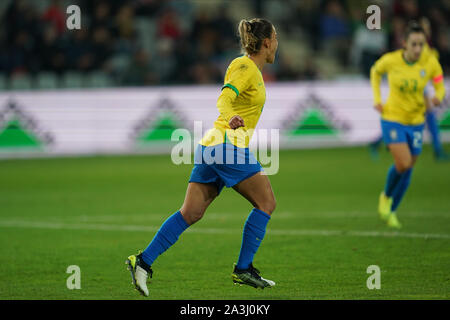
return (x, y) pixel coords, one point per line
(225, 106)
(376, 73)
(238, 82)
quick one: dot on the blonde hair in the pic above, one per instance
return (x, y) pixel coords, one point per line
(252, 33)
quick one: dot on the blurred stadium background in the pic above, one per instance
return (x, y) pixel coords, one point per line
(154, 42)
(139, 69)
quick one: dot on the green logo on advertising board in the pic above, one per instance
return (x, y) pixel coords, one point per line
(161, 129)
(15, 135)
(312, 117)
(313, 122)
(159, 124)
(18, 130)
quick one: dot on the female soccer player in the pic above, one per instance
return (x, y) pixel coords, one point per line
(222, 158)
(430, 115)
(402, 116)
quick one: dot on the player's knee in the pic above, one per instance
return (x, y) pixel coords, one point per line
(272, 206)
(267, 206)
(404, 165)
(192, 216)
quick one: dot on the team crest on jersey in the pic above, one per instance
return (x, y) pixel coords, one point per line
(393, 134)
(422, 73)
(243, 67)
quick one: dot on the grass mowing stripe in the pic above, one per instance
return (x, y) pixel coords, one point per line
(109, 227)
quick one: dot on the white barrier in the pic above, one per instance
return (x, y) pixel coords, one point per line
(135, 120)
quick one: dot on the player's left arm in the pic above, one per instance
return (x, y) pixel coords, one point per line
(437, 77)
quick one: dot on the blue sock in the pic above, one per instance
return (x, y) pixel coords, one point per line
(393, 178)
(253, 234)
(433, 127)
(166, 236)
(401, 188)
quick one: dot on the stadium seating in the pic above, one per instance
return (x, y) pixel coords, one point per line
(98, 80)
(21, 82)
(146, 29)
(47, 80)
(73, 80)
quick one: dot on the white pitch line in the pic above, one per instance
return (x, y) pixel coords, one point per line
(279, 232)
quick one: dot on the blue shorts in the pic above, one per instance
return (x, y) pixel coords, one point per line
(394, 132)
(223, 165)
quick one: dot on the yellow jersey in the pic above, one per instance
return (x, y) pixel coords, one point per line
(243, 94)
(405, 103)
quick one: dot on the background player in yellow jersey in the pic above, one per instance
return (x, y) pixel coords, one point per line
(223, 159)
(430, 115)
(403, 114)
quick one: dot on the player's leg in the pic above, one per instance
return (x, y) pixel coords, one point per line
(433, 128)
(258, 191)
(405, 160)
(198, 197)
(401, 154)
(394, 134)
(403, 164)
(403, 185)
(374, 146)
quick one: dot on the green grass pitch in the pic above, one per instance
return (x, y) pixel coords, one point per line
(93, 212)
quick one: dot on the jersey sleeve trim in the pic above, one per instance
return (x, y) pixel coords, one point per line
(438, 78)
(228, 85)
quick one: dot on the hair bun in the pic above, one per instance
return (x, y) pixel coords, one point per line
(249, 26)
(253, 32)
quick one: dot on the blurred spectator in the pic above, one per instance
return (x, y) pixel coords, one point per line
(140, 71)
(310, 71)
(102, 17)
(333, 23)
(20, 53)
(308, 17)
(285, 70)
(51, 50)
(55, 15)
(169, 25)
(396, 36)
(443, 43)
(102, 47)
(125, 22)
(335, 31)
(125, 42)
(79, 51)
(202, 23)
(14, 20)
(408, 9)
(148, 8)
(184, 57)
(205, 73)
(166, 63)
(225, 30)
